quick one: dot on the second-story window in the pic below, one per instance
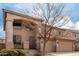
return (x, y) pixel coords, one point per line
(17, 25)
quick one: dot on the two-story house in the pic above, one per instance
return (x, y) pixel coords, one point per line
(21, 31)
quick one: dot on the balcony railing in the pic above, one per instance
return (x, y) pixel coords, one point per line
(17, 27)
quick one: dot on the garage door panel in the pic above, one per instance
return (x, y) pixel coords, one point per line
(65, 46)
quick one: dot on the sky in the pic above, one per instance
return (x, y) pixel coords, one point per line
(71, 10)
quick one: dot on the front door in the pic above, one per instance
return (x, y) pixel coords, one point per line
(32, 43)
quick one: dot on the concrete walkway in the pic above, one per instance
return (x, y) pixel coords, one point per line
(63, 54)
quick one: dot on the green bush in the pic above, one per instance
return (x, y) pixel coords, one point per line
(12, 52)
(20, 52)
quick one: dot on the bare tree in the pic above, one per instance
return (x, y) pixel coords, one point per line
(51, 14)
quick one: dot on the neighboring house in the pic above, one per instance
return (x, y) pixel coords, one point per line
(21, 31)
(2, 43)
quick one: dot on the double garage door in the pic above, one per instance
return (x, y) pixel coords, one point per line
(65, 45)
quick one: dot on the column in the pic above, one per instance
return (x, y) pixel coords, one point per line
(57, 46)
(25, 38)
(9, 33)
(73, 46)
(38, 43)
(38, 30)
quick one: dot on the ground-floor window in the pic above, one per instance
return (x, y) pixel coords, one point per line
(17, 41)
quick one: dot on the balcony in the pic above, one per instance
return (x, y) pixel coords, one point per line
(17, 27)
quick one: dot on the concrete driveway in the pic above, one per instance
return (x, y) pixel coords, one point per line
(63, 54)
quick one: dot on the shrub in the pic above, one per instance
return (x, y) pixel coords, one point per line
(20, 52)
(11, 52)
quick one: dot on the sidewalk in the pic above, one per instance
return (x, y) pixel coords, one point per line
(63, 54)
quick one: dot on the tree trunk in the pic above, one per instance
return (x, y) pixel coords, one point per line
(44, 44)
